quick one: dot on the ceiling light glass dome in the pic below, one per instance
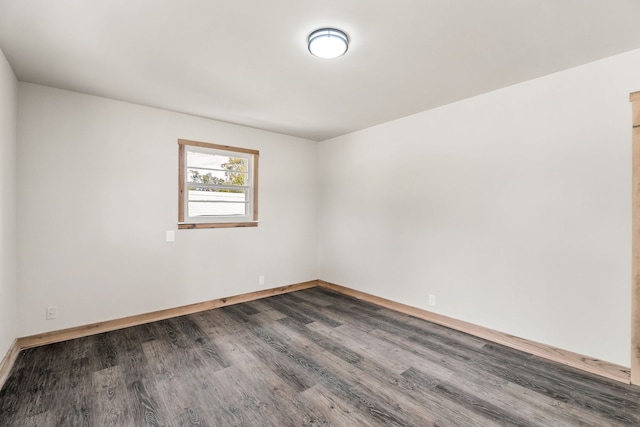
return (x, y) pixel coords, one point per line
(328, 43)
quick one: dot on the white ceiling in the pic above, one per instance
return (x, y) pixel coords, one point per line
(246, 61)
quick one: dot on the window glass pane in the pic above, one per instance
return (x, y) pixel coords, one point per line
(217, 195)
(217, 169)
(208, 209)
(205, 176)
(217, 202)
(208, 160)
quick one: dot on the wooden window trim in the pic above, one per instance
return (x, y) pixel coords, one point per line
(182, 225)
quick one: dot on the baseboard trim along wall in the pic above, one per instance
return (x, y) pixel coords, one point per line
(588, 364)
(594, 366)
(8, 361)
(125, 322)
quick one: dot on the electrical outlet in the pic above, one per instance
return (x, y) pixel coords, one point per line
(52, 312)
(261, 280)
(432, 300)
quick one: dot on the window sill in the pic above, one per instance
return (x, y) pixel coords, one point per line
(217, 225)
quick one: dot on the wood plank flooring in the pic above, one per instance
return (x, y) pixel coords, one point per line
(308, 358)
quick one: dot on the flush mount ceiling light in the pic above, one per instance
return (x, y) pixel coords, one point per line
(328, 43)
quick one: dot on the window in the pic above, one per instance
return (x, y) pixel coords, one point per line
(217, 186)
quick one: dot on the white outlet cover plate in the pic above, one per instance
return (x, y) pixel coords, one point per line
(52, 312)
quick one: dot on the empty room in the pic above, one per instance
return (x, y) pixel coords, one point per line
(293, 213)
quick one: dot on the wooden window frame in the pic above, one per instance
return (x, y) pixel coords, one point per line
(182, 224)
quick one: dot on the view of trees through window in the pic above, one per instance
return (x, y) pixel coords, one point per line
(235, 172)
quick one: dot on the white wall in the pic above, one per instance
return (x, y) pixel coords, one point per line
(512, 208)
(90, 244)
(8, 174)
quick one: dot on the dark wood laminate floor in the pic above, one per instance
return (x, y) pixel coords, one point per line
(309, 358)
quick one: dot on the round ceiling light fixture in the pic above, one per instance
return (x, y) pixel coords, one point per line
(328, 43)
